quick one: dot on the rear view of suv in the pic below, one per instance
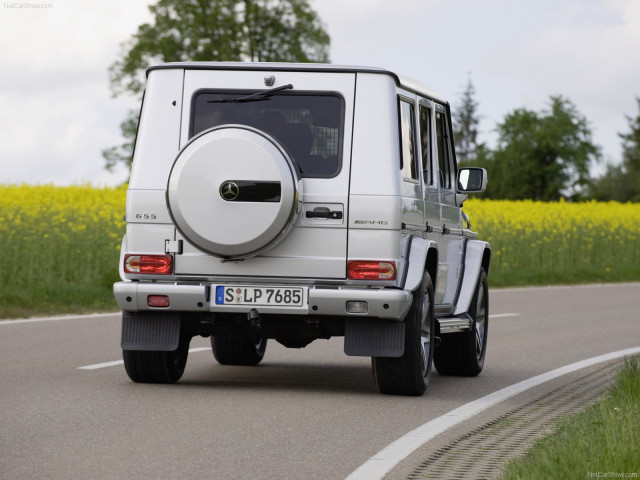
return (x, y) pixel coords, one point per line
(300, 202)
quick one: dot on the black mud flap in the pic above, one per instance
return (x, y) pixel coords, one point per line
(367, 337)
(150, 331)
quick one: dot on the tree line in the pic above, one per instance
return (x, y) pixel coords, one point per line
(546, 155)
(212, 30)
(543, 155)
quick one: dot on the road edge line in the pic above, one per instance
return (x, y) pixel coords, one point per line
(386, 459)
(55, 319)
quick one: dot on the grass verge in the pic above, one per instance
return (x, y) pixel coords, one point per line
(601, 442)
(61, 299)
(544, 276)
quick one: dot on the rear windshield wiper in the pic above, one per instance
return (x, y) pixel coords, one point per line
(254, 97)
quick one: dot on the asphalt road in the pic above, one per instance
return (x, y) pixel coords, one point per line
(302, 414)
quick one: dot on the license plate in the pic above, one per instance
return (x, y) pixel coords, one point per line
(259, 296)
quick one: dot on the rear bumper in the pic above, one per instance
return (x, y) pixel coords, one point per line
(328, 301)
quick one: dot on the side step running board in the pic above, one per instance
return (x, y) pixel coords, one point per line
(453, 325)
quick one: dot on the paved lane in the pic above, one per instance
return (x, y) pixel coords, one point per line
(311, 413)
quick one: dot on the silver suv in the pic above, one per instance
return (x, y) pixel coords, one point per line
(300, 202)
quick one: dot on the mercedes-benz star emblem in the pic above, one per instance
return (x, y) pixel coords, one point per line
(229, 191)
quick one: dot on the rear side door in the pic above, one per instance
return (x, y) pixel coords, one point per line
(311, 120)
(432, 204)
(451, 252)
(411, 189)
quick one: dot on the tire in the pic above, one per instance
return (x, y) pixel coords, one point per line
(409, 374)
(156, 367)
(230, 350)
(463, 353)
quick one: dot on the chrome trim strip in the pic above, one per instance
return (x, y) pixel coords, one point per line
(415, 227)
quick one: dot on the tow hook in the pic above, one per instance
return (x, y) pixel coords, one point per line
(437, 341)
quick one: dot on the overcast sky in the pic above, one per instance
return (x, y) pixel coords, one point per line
(57, 113)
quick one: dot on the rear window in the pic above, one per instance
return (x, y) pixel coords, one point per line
(309, 126)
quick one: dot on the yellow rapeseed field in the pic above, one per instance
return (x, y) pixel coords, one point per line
(60, 245)
(539, 242)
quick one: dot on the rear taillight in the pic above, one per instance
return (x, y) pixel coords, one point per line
(149, 264)
(370, 270)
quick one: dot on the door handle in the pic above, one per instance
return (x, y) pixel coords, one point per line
(324, 212)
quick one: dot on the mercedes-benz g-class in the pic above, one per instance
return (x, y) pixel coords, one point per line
(298, 202)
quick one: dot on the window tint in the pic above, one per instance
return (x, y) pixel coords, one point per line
(308, 126)
(444, 161)
(407, 130)
(425, 143)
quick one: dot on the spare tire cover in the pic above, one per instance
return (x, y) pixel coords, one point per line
(233, 192)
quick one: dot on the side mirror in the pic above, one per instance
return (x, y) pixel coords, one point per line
(472, 180)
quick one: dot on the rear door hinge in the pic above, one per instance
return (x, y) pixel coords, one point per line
(173, 246)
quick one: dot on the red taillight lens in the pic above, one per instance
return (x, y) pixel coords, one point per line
(369, 270)
(150, 264)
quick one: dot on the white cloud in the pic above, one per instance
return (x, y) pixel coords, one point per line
(57, 113)
(365, 31)
(588, 53)
(584, 57)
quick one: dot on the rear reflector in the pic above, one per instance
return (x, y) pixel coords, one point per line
(158, 301)
(150, 264)
(370, 270)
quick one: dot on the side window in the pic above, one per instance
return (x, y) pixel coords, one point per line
(425, 143)
(407, 135)
(444, 156)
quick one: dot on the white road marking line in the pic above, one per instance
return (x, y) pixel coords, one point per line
(543, 288)
(503, 315)
(121, 362)
(386, 459)
(55, 319)
(101, 365)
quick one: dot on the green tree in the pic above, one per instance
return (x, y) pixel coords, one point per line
(465, 127)
(622, 182)
(213, 30)
(542, 156)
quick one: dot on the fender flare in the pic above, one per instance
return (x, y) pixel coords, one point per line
(477, 255)
(123, 250)
(416, 261)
